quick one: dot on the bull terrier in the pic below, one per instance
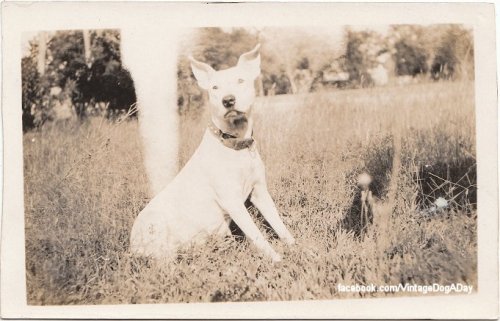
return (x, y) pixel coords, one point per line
(224, 171)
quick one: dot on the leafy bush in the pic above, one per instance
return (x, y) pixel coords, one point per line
(410, 59)
(455, 55)
(32, 93)
(101, 79)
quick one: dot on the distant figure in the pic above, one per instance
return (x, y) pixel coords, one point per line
(272, 90)
(63, 111)
(62, 108)
(379, 75)
(303, 80)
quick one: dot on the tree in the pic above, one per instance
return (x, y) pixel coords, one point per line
(88, 72)
(222, 48)
(31, 92)
(104, 79)
(411, 47)
(362, 49)
(410, 59)
(98, 74)
(42, 52)
(86, 45)
(447, 50)
(454, 56)
(35, 86)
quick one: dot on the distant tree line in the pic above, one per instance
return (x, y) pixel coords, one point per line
(82, 71)
(433, 52)
(297, 61)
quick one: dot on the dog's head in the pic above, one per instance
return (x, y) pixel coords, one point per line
(231, 91)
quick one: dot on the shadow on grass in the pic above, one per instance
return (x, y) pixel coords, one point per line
(238, 234)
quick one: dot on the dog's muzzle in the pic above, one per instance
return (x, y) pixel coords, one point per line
(233, 113)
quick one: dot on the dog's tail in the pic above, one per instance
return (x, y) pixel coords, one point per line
(151, 59)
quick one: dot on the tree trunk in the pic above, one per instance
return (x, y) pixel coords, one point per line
(86, 45)
(42, 52)
(289, 74)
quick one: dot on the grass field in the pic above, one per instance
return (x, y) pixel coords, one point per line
(85, 184)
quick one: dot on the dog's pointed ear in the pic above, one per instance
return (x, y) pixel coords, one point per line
(250, 61)
(202, 72)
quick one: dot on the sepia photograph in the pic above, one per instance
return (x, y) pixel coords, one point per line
(249, 163)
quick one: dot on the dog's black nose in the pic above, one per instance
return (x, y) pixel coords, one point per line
(228, 101)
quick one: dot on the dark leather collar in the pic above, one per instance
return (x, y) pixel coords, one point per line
(229, 140)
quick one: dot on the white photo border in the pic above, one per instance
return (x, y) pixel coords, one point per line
(21, 17)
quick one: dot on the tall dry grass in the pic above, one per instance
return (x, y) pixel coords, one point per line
(85, 184)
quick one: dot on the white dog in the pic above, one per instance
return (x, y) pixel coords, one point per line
(223, 172)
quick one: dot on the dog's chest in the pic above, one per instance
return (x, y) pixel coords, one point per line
(245, 165)
(236, 170)
(251, 171)
(247, 171)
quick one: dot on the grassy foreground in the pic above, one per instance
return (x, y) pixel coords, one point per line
(85, 184)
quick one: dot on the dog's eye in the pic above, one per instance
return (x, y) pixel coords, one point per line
(240, 81)
(215, 87)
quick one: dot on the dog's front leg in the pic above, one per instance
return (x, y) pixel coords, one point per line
(263, 201)
(242, 218)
